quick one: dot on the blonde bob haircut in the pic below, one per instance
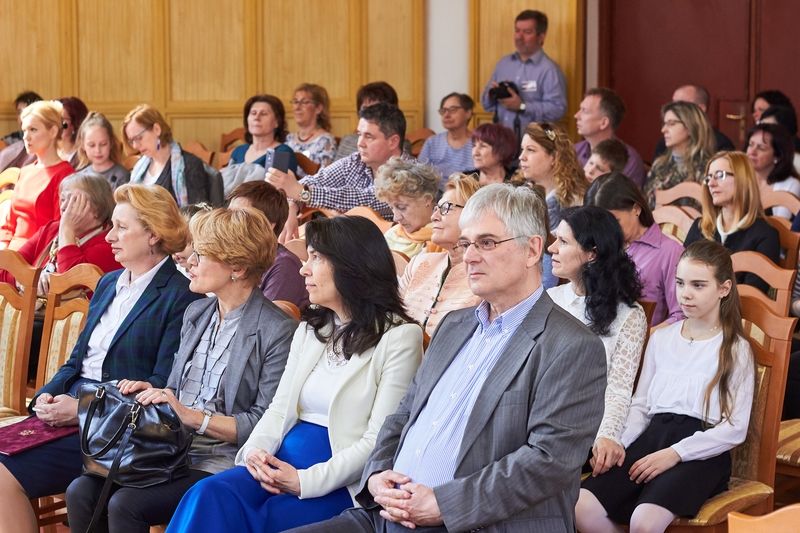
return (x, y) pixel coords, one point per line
(399, 177)
(49, 112)
(568, 174)
(239, 238)
(146, 116)
(158, 213)
(465, 185)
(746, 198)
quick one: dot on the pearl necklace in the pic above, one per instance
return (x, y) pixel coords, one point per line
(692, 337)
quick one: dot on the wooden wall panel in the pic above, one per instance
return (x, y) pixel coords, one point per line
(116, 65)
(207, 130)
(492, 36)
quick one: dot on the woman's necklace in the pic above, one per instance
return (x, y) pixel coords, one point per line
(693, 336)
(306, 139)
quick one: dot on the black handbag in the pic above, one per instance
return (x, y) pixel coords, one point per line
(127, 443)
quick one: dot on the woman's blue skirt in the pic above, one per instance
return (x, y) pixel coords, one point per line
(234, 501)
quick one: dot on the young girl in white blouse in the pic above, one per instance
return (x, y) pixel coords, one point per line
(691, 407)
(603, 287)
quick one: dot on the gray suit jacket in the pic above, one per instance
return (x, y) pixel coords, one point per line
(530, 430)
(259, 349)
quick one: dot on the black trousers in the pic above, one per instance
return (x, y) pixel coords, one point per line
(360, 520)
(129, 510)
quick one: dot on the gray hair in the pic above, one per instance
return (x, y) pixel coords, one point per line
(97, 189)
(520, 209)
(400, 177)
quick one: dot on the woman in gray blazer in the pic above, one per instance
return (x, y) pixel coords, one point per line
(231, 357)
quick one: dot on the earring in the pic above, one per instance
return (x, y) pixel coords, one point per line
(774, 161)
(234, 278)
(158, 143)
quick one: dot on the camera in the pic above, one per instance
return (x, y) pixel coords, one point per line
(502, 90)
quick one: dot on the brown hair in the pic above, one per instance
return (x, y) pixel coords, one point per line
(158, 213)
(98, 119)
(148, 116)
(319, 95)
(701, 136)
(613, 152)
(570, 180)
(747, 198)
(265, 198)
(278, 110)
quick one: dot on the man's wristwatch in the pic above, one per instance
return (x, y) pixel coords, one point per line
(206, 419)
(305, 195)
(522, 107)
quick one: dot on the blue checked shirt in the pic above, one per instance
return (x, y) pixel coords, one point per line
(345, 184)
(429, 452)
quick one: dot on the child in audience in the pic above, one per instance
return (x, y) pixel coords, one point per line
(100, 151)
(691, 407)
(607, 156)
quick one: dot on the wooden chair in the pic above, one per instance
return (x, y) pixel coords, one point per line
(289, 308)
(786, 520)
(229, 140)
(789, 241)
(417, 139)
(371, 214)
(674, 221)
(400, 262)
(788, 456)
(197, 148)
(220, 159)
(751, 487)
(309, 167)
(16, 327)
(298, 248)
(8, 178)
(309, 213)
(781, 280)
(770, 198)
(687, 190)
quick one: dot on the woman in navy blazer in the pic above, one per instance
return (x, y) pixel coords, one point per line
(132, 332)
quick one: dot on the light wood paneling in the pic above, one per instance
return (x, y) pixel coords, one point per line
(204, 129)
(116, 65)
(492, 32)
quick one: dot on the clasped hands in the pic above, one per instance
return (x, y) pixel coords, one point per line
(409, 504)
(274, 476)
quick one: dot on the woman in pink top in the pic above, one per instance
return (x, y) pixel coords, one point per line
(36, 196)
(435, 283)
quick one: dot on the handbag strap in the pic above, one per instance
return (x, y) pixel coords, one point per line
(98, 397)
(112, 472)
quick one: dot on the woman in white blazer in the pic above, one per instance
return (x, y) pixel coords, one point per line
(350, 363)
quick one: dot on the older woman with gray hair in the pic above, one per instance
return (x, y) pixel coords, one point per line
(410, 188)
(232, 353)
(86, 204)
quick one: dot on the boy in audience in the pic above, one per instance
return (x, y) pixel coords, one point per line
(607, 156)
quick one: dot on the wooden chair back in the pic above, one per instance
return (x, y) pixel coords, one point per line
(298, 248)
(417, 139)
(64, 317)
(16, 327)
(690, 190)
(196, 148)
(789, 241)
(784, 520)
(781, 280)
(229, 140)
(674, 221)
(220, 159)
(400, 262)
(8, 178)
(288, 307)
(371, 214)
(770, 198)
(649, 309)
(309, 167)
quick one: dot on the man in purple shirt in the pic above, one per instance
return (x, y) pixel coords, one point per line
(541, 93)
(597, 119)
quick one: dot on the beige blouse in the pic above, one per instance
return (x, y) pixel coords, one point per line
(430, 291)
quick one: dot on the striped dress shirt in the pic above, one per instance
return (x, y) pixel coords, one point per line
(429, 452)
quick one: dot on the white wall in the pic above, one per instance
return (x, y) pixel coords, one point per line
(447, 54)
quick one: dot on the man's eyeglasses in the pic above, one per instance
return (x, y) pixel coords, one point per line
(485, 244)
(719, 175)
(446, 207)
(452, 109)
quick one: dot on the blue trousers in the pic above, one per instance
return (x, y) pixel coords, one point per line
(234, 501)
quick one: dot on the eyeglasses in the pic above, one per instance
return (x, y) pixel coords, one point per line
(304, 101)
(196, 255)
(670, 123)
(136, 139)
(452, 109)
(446, 207)
(719, 175)
(485, 244)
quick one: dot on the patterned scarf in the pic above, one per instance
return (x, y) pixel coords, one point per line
(176, 167)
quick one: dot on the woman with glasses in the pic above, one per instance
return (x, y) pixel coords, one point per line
(451, 150)
(435, 283)
(410, 189)
(312, 115)
(231, 357)
(349, 365)
(689, 139)
(732, 213)
(602, 291)
(264, 133)
(163, 162)
(494, 148)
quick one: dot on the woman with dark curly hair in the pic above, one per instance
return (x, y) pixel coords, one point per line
(602, 291)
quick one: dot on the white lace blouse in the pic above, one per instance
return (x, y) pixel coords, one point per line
(623, 346)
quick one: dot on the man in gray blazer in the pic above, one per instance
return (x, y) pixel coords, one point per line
(501, 415)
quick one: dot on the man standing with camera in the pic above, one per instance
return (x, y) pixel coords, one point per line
(526, 86)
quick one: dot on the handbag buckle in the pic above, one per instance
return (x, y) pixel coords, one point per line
(100, 392)
(135, 408)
